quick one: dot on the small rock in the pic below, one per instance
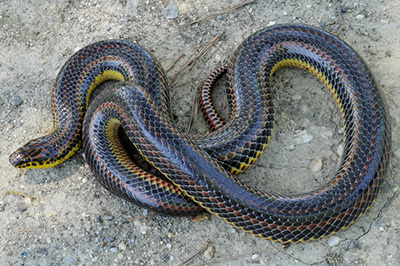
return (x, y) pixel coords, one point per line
(114, 250)
(360, 16)
(209, 253)
(97, 218)
(169, 246)
(397, 153)
(316, 165)
(271, 23)
(108, 217)
(143, 229)
(393, 223)
(326, 134)
(84, 180)
(381, 228)
(302, 137)
(284, 13)
(69, 260)
(171, 11)
(339, 150)
(121, 246)
(42, 251)
(384, 21)
(255, 256)
(333, 241)
(23, 254)
(2, 207)
(22, 209)
(164, 257)
(16, 101)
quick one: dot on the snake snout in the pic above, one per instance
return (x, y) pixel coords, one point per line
(18, 159)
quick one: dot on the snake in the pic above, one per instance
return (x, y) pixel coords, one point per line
(186, 173)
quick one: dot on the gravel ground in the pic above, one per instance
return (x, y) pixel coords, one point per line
(62, 216)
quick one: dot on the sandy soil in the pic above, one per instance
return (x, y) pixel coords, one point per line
(62, 216)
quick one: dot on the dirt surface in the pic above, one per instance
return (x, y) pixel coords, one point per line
(62, 216)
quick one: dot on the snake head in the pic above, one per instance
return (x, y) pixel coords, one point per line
(32, 155)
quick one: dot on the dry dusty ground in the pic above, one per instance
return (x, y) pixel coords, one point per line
(62, 216)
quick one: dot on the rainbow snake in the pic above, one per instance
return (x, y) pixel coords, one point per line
(193, 172)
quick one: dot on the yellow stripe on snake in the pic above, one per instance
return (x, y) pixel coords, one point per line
(199, 171)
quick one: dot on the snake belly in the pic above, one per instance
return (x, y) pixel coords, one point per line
(201, 168)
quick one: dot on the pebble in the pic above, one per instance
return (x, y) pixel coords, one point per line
(333, 241)
(23, 254)
(2, 207)
(339, 150)
(143, 229)
(16, 101)
(316, 165)
(326, 134)
(22, 209)
(108, 217)
(96, 217)
(84, 180)
(302, 137)
(69, 260)
(164, 257)
(42, 251)
(384, 21)
(114, 250)
(121, 246)
(255, 256)
(397, 153)
(171, 11)
(381, 228)
(209, 253)
(284, 13)
(169, 246)
(271, 23)
(360, 16)
(393, 223)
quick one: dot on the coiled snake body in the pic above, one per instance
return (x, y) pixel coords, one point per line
(196, 171)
